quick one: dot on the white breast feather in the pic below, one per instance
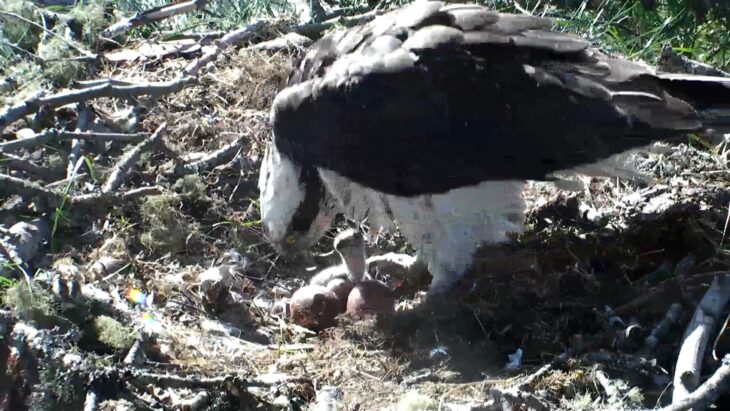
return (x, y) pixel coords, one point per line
(445, 229)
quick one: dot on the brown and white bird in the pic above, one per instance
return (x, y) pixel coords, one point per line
(433, 116)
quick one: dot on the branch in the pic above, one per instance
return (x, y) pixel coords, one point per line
(314, 29)
(210, 160)
(115, 178)
(25, 188)
(16, 112)
(151, 16)
(49, 135)
(81, 124)
(108, 198)
(708, 392)
(696, 336)
(230, 39)
(27, 166)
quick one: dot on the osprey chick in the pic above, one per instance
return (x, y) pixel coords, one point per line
(433, 116)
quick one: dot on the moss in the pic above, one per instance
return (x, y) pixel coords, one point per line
(27, 305)
(166, 228)
(112, 333)
(191, 188)
(90, 15)
(60, 68)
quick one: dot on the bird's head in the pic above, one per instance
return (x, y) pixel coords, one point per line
(296, 209)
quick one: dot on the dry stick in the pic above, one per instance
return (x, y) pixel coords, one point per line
(543, 371)
(62, 183)
(151, 16)
(214, 158)
(101, 82)
(115, 178)
(226, 41)
(16, 112)
(52, 198)
(696, 336)
(174, 381)
(314, 29)
(49, 135)
(26, 188)
(81, 125)
(660, 330)
(27, 166)
(718, 383)
(107, 198)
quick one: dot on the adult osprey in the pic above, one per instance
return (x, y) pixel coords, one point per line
(433, 116)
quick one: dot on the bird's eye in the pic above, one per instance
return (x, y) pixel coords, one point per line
(291, 239)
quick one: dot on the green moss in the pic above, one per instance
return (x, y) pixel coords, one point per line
(112, 333)
(191, 188)
(91, 17)
(166, 228)
(30, 306)
(60, 68)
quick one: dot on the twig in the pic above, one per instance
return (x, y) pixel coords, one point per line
(16, 112)
(660, 330)
(81, 125)
(26, 188)
(696, 336)
(101, 82)
(115, 177)
(314, 29)
(27, 166)
(49, 135)
(136, 355)
(62, 183)
(95, 199)
(708, 392)
(719, 337)
(230, 39)
(530, 380)
(175, 381)
(214, 158)
(151, 16)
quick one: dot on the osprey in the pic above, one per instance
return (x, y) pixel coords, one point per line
(432, 117)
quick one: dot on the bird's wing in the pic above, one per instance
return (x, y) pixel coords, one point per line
(433, 97)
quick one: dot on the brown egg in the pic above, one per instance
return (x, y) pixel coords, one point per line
(370, 297)
(314, 307)
(341, 287)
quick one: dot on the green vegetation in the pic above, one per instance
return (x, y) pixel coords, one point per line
(166, 228)
(112, 333)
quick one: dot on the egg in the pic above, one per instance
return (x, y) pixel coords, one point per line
(370, 297)
(314, 307)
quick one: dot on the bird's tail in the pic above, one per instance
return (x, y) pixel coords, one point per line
(709, 95)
